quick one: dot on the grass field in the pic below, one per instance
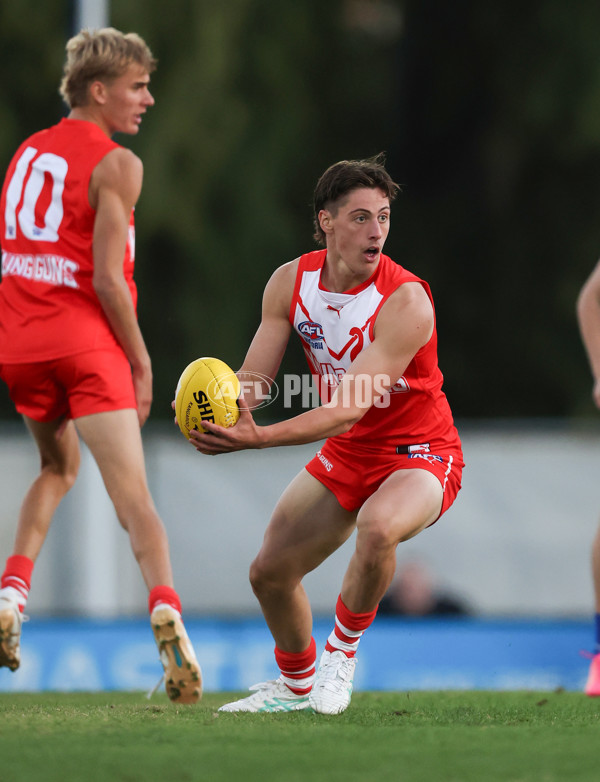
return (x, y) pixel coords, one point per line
(449, 736)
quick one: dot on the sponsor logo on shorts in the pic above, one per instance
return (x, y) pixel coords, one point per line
(430, 457)
(418, 448)
(325, 462)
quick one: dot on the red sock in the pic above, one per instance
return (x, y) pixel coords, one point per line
(298, 668)
(163, 594)
(348, 629)
(17, 576)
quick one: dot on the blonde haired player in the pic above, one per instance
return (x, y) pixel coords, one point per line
(392, 461)
(588, 312)
(71, 350)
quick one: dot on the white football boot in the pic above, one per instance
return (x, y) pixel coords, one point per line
(269, 696)
(332, 688)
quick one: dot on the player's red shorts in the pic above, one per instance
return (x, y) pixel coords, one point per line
(73, 386)
(354, 473)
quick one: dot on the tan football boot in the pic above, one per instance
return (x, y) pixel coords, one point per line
(183, 678)
(11, 620)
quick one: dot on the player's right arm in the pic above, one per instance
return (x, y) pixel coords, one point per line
(588, 314)
(404, 325)
(115, 186)
(270, 341)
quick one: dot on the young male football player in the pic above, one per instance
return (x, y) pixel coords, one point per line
(392, 461)
(71, 350)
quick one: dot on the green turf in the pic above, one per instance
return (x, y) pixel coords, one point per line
(408, 737)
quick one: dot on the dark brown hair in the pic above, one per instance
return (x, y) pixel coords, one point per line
(348, 175)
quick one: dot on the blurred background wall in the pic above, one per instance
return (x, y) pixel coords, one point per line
(490, 117)
(515, 543)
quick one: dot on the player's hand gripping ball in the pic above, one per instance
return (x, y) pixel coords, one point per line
(207, 391)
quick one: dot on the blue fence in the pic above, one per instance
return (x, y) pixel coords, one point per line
(395, 654)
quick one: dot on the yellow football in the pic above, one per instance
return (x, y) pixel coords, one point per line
(207, 390)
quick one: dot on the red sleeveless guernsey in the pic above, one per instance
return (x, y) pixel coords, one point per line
(48, 306)
(335, 327)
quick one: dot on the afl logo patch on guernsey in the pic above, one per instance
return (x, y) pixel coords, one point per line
(311, 331)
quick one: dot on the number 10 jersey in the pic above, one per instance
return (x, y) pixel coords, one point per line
(48, 306)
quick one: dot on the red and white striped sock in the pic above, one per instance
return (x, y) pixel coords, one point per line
(16, 579)
(348, 629)
(298, 668)
(163, 594)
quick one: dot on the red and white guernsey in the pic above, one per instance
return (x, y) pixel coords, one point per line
(48, 306)
(335, 327)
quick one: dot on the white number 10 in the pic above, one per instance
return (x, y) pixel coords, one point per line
(47, 163)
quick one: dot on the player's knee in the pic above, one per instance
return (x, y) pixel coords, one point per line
(258, 577)
(375, 537)
(264, 578)
(65, 472)
(69, 477)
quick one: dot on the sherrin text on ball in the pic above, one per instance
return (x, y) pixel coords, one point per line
(207, 390)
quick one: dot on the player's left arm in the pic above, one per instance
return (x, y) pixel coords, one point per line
(114, 189)
(588, 315)
(404, 325)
